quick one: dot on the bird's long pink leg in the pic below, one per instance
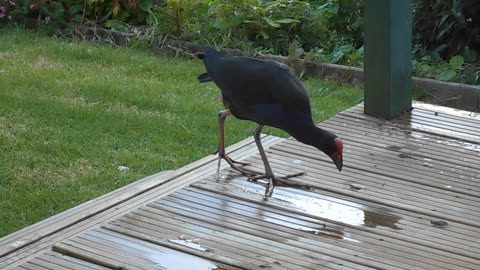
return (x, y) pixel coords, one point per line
(268, 170)
(222, 115)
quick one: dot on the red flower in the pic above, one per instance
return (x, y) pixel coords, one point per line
(34, 5)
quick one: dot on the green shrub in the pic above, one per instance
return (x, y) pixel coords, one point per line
(446, 28)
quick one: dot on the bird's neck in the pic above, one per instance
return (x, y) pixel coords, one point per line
(312, 135)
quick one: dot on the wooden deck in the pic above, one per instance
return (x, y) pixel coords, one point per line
(408, 198)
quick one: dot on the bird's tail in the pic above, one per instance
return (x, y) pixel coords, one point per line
(200, 55)
(204, 77)
(209, 56)
(207, 51)
(211, 52)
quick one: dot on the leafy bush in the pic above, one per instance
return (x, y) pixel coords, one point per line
(454, 69)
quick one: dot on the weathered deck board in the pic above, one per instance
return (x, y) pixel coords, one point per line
(251, 250)
(425, 148)
(383, 190)
(406, 178)
(400, 179)
(273, 227)
(130, 253)
(78, 213)
(392, 227)
(67, 262)
(467, 131)
(192, 172)
(433, 173)
(413, 227)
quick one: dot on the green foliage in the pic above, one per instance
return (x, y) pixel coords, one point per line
(454, 70)
(448, 27)
(266, 24)
(456, 62)
(295, 55)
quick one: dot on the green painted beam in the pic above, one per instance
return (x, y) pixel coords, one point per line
(388, 55)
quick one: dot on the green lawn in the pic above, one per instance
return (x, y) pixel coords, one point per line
(72, 112)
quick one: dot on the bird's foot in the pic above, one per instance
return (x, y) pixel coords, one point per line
(229, 160)
(279, 181)
(232, 163)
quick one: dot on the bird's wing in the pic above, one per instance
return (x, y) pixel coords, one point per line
(288, 89)
(254, 81)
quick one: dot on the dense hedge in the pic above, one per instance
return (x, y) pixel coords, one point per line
(332, 29)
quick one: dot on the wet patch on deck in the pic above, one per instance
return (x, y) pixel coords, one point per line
(323, 207)
(102, 248)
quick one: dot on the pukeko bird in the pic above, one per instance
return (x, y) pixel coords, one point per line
(268, 93)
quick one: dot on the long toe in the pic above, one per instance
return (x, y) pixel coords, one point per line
(232, 161)
(282, 179)
(284, 182)
(241, 163)
(243, 171)
(279, 181)
(294, 175)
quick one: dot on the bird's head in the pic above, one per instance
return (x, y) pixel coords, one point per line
(324, 141)
(331, 145)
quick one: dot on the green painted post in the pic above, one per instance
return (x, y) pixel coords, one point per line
(388, 55)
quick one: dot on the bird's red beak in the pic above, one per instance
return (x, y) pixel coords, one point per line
(337, 157)
(338, 161)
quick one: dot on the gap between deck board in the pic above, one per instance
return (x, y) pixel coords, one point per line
(194, 225)
(185, 206)
(395, 140)
(382, 198)
(414, 228)
(374, 161)
(357, 112)
(236, 193)
(450, 111)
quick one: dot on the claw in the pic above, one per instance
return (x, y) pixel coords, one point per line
(279, 181)
(269, 189)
